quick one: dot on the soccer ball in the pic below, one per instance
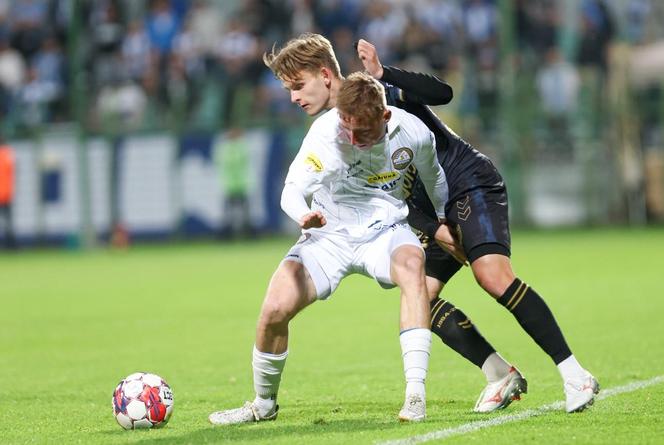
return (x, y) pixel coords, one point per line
(142, 400)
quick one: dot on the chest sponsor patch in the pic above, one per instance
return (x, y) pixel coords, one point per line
(312, 163)
(402, 157)
(382, 178)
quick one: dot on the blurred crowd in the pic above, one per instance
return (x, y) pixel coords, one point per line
(179, 64)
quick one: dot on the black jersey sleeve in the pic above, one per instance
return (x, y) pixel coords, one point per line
(422, 221)
(422, 88)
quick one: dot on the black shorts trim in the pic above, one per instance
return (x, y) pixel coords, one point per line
(487, 249)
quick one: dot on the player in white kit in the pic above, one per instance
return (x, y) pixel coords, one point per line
(345, 188)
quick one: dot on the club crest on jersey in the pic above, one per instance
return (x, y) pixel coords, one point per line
(313, 164)
(402, 157)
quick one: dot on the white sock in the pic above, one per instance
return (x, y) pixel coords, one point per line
(415, 347)
(495, 367)
(267, 376)
(570, 368)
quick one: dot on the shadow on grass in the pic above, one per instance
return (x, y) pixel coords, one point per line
(300, 423)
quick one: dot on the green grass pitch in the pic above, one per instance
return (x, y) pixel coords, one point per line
(73, 324)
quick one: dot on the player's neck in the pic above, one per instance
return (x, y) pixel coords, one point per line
(335, 86)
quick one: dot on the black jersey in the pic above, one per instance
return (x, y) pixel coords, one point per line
(465, 168)
(477, 204)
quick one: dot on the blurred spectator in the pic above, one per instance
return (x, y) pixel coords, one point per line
(121, 104)
(35, 99)
(29, 21)
(205, 22)
(136, 53)
(12, 76)
(49, 63)
(597, 30)
(107, 30)
(441, 21)
(265, 18)
(480, 24)
(334, 14)
(7, 168)
(106, 27)
(302, 17)
(239, 62)
(161, 24)
(232, 159)
(384, 26)
(558, 85)
(343, 41)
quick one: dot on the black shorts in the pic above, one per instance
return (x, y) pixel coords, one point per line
(482, 220)
(483, 227)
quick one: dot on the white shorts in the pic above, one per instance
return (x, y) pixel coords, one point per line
(330, 257)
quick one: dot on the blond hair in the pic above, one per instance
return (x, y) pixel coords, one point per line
(361, 96)
(308, 52)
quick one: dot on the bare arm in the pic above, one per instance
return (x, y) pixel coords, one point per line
(422, 88)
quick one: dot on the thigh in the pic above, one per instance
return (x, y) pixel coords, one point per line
(327, 261)
(375, 258)
(482, 219)
(291, 289)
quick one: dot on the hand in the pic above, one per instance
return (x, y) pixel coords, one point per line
(450, 243)
(369, 57)
(313, 220)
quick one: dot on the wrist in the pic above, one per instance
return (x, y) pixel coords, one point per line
(379, 73)
(431, 228)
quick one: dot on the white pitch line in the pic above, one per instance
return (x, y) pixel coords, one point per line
(481, 424)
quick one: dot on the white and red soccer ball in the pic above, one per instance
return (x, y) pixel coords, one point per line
(142, 400)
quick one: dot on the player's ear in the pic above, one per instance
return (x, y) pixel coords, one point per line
(387, 114)
(326, 74)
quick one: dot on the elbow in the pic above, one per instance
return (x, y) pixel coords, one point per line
(444, 94)
(448, 94)
(283, 202)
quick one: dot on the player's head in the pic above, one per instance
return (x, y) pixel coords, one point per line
(363, 111)
(308, 68)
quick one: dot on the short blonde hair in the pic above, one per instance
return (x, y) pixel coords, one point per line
(308, 52)
(361, 96)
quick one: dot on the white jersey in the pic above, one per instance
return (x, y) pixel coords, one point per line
(361, 192)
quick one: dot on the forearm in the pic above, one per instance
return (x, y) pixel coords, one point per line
(422, 221)
(293, 202)
(422, 88)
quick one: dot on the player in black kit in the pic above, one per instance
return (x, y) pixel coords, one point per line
(478, 220)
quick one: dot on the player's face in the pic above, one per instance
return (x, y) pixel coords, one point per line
(310, 90)
(362, 132)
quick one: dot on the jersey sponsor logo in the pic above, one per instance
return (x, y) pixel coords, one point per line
(313, 164)
(381, 178)
(402, 157)
(409, 181)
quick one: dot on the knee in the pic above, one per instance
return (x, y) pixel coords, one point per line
(274, 314)
(410, 262)
(493, 273)
(494, 283)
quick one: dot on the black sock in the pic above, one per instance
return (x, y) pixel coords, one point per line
(458, 332)
(536, 319)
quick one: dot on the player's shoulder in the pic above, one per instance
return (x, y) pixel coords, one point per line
(407, 122)
(326, 125)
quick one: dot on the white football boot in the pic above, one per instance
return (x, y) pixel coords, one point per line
(246, 414)
(580, 393)
(500, 394)
(414, 409)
